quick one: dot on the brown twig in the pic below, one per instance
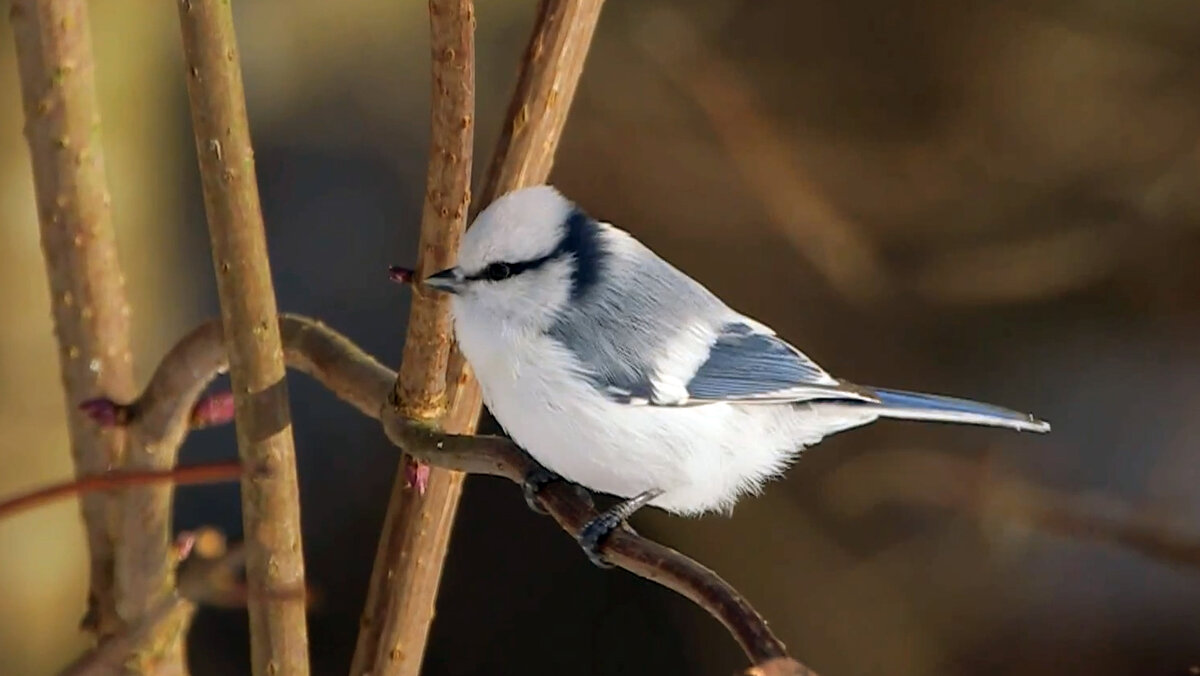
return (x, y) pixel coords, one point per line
(270, 495)
(420, 512)
(121, 479)
(359, 379)
(537, 112)
(91, 314)
(400, 603)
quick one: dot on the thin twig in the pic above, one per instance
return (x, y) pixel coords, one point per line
(399, 606)
(87, 289)
(416, 531)
(270, 494)
(359, 379)
(121, 479)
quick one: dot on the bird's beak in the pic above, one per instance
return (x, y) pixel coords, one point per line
(449, 280)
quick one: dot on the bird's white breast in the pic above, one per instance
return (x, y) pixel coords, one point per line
(703, 457)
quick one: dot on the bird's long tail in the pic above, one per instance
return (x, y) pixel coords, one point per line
(917, 406)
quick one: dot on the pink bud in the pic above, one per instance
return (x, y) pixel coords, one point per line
(401, 275)
(416, 475)
(106, 412)
(213, 409)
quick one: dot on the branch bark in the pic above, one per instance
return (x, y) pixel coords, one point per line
(412, 550)
(270, 495)
(416, 531)
(91, 314)
(165, 407)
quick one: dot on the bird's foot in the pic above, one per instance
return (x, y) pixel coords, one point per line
(595, 532)
(535, 481)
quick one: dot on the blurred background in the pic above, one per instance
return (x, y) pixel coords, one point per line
(990, 199)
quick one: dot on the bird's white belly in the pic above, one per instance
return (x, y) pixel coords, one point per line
(703, 457)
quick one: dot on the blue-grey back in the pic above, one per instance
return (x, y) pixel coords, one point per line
(620, 327)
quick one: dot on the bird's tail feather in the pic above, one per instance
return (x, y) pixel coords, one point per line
(917, 406)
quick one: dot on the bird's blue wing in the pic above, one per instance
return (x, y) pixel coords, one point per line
(747, 364)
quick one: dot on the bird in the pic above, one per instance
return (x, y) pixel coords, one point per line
(620, 373)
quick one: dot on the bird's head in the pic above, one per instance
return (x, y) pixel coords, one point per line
(525, 258)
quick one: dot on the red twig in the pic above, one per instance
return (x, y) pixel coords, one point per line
(117, 479)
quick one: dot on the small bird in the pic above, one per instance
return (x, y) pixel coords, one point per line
(620, 373)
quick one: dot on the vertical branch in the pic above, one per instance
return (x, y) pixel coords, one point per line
(91, 314)
(537, 113)
(416, 532)
(270, 499)
(409, 563)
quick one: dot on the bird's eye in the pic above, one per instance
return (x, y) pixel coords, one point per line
(497, 271)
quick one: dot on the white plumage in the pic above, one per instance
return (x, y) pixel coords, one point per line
(620, 373)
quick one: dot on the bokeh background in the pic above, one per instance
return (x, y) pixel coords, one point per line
(992, 199)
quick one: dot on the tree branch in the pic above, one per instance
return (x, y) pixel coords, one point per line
(270, 495)
(420, 512)
(357, 378)
(91, 314)
(119, 479)
(206, 573)
(399, 606)
(500, 457)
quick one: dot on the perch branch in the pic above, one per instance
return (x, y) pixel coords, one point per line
(399, 606)
(500, 457)
(87, 290)
(270, 494)
(357, 378)
(420, 512)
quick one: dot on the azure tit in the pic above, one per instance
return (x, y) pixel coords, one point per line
(620, 373)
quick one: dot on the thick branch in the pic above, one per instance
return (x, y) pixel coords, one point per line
(91, 314)
(416, 530)
(270, 495)
(537, 112)
(412, 549)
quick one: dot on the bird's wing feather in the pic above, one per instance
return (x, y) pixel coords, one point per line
(748, 364)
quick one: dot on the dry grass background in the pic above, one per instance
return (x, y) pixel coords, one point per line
(992, 199)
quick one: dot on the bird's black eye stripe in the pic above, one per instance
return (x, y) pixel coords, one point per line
(581, 240)
(499, 271)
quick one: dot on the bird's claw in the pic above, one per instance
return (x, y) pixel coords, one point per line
(593, 535)
(534, 482)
